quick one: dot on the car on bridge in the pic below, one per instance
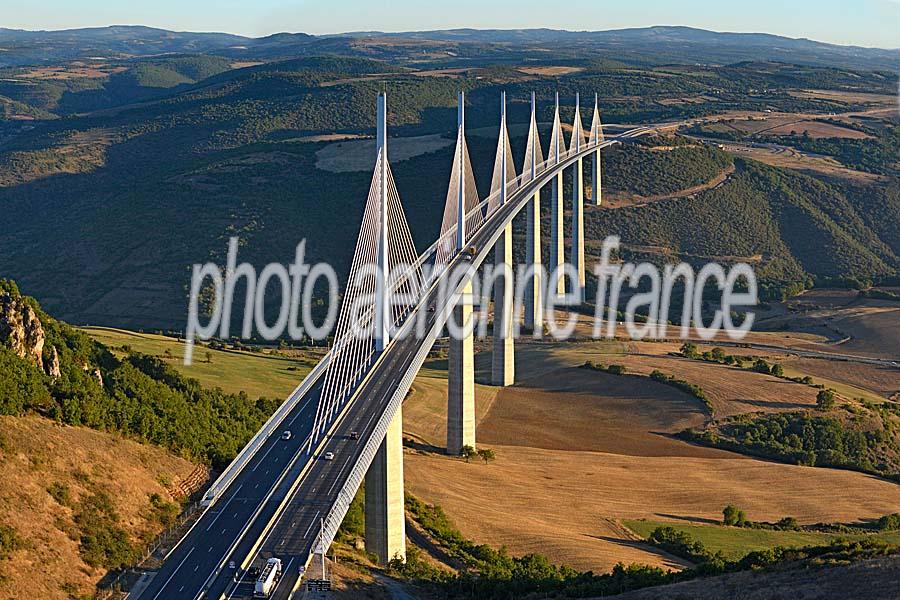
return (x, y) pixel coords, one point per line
(469, 253)
(328, 456)
(286, 435)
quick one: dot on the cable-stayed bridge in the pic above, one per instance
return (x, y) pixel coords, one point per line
(286, 498)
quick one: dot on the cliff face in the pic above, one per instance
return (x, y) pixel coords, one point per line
(21, 330)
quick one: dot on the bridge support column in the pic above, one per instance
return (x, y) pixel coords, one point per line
(578, 227)
(534, 309)
(385, 518)
(503, 371)
(557, 283)
(596, 179)
(461, 379)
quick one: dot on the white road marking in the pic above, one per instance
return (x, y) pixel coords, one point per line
(224, 507)
(173, 575)
(308, 529)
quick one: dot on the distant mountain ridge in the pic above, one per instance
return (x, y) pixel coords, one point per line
(647, 44)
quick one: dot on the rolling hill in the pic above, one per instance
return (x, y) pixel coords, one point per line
(639, 45)
(136, 193)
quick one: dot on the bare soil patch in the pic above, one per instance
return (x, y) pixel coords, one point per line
(549, 71)
(594, 411)
(359, 155)
(817, 129)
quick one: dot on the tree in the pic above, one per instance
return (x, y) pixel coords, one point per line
(208, 355)
(487, 455)
(777, 370)
(718, 354)
(468, 452)
(689, 350)
(734, 516)
(889, 522)
(825, 399)
(761, 366)
(168, 354)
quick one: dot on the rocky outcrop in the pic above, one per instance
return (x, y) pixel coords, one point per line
(53, 363)
(21, 330)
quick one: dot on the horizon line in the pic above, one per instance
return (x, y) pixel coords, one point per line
(448, 29)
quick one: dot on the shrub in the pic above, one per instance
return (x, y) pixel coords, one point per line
(9, 541)
(733, 516)
(825, 399)
(889, 522)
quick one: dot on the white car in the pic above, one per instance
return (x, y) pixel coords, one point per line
(328, 456)
(286, 435)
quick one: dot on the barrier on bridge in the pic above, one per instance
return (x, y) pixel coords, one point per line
(248, 451)
(348, 490)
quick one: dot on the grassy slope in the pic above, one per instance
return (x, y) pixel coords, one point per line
(735, 542)
(232, 370)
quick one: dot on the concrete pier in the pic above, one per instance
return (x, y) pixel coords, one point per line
(503, 370)
(578, 227)
(534, 309)
(557, 238)
(461, 380)
(385, 517)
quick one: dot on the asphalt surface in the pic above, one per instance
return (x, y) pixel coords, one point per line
(231, 528)
(208, 544)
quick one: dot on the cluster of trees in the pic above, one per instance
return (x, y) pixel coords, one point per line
(636, 169)
(487, 573)
(139, 396)
(683, 544)
(685, 386)
(469, 453)
(611, 369)
(807, 439)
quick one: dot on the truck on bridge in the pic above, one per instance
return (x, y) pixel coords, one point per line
(268, 579)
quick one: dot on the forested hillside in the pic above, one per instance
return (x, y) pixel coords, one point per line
(136, 193)
(796, 225)
(58, 372)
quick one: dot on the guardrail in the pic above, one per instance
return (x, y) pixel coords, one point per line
(249, 450)
(335, 516)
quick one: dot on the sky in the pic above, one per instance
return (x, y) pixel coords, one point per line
(857, 22)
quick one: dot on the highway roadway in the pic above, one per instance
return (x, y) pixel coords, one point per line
(274, 504)
(241, 511)
(292, 537)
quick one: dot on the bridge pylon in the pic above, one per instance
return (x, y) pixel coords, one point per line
(534, 292)
(503, 370)
(596, 137)
(556, 153)
(462, 206)
(576, 144)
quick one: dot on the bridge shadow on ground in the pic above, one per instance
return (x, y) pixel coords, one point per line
(688, 518)
(669, 560)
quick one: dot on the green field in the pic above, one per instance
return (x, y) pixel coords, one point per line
(735, 542)
(844, 389)
(257, 374)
